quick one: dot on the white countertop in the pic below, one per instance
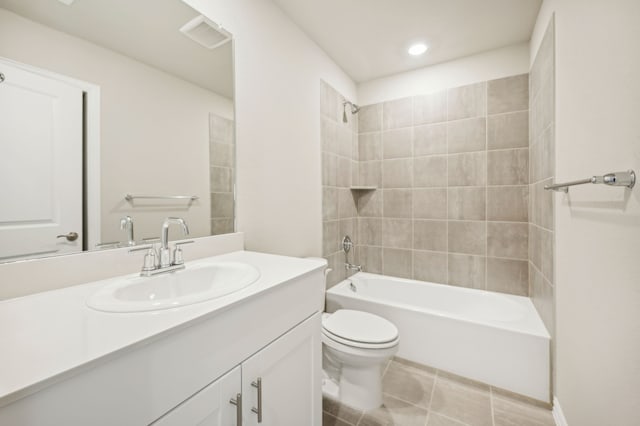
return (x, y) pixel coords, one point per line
(46, 336)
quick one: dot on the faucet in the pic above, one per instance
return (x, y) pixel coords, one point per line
(126, 223)
(165, 254)
(164, 263)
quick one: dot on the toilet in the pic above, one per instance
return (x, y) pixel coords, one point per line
(355, 347)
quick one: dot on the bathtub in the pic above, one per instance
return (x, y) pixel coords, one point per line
(494, 338)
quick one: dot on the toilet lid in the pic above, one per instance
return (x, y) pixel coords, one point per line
(359, 326)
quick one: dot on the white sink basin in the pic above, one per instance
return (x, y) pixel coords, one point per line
(197, 283)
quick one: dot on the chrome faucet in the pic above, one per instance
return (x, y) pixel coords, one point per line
(165, 254)
(351, 267)
(160, 261)
(126, 224)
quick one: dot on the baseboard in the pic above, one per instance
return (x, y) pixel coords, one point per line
(558, 415)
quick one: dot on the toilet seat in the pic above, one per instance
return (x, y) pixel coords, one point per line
(359, 330)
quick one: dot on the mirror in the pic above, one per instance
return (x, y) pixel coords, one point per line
(109, 110)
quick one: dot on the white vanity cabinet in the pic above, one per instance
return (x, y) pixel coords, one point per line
(278, 386)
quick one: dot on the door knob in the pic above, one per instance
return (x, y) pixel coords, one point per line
(71, 236)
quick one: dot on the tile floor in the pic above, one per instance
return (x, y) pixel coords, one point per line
(415, 395)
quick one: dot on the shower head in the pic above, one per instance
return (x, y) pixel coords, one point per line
(354, 110)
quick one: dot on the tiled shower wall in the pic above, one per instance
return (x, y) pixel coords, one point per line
(542, 170)
(339, 143)
(452, 174)
(221, 173)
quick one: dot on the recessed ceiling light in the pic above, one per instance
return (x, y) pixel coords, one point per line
(417, 49)
(67, 2)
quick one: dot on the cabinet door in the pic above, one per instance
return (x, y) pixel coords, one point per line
(209, 407)
(289, 374)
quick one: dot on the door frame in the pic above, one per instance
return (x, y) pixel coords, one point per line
(91, 140)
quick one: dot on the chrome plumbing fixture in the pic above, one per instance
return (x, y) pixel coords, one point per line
(347, 245)
(126, 224)
(353, 108)
(160, 261)
(627, 179)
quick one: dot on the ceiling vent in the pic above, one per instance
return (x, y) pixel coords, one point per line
(205, 32)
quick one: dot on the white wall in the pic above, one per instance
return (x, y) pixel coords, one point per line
(154, 127)
(490, 65)
(278, 71)
(597, 228)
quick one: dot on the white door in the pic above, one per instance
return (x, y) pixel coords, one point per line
(40, 164)
(209, 407)
(282, 382)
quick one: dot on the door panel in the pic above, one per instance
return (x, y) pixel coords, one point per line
(41, 164)
(209, 407)
(290, 373)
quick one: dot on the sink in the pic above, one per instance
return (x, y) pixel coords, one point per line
(196, 283)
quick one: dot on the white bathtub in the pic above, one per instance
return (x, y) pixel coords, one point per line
(494, 338)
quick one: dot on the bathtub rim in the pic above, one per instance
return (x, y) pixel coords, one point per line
(542, 334)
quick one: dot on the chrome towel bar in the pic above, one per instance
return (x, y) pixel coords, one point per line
(627, 179)
(130, 197)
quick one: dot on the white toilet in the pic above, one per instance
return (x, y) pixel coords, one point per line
(355, 348)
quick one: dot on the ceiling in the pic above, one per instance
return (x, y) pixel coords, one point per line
(127, 27)
(369, 39)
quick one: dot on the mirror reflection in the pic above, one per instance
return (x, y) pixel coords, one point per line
(111, 121)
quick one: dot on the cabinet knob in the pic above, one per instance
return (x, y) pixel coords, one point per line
(238, 403)
(258, 385)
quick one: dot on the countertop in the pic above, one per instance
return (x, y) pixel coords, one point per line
(48, 336)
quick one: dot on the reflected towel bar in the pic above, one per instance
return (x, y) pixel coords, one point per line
(130, 197)
(627, 179)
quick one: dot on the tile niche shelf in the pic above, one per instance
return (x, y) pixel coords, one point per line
(364, 188)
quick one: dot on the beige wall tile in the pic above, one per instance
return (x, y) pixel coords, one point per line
(344, 147)
(430, 139)
(346, 204)
(508, 94)
(542, 296)
(397, 263)
(370, 204)
(370, 118)
(371, 173)
(348, 227)
(370, 258)
(508, 130)
(467, 237)
(430, 108)
(508, 203)
(220, 129)
(329, 169)
(430, 235)
(508, 276)
(466, 271)
(221, 179)
(546, 204)
(429, 266)
(508, 167)
(547, 250)
(329, 203)
(330, 237)
(535, 245)
(467, 135)
(369, 231)
(397, 203)
(467, 101)
(468, 169)
(430, 203)
(343, 177)
(397, 114)
(430, 171)
(222, 205)
(221, 226)
(222, 154)
(397, 233)
(370, 146)
(467, 203)
(505, 239)
(397, 173)
(329, 135)
(397, 143)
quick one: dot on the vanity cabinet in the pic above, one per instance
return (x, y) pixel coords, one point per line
(279, 385)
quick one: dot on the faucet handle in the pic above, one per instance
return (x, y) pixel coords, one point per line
(150, 262)
(177, 252)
